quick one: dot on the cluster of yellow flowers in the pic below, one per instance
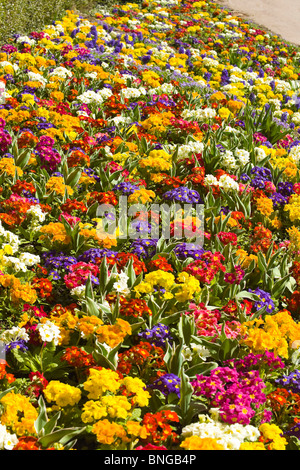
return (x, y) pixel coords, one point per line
(107, 380)
(270, 433)
(287, 165)
(112, 397)
(18, 413)
(104, 239)
(88, 325)
(162, 282)
(108, 432)
(157, 123)
(264, 206)
(109, 405)
(18, 291)
(201, 443)
(141, 196)
(293, 208)
(245, 258)
(7, 165)
(151, 78)
(275, 333)
(54, 233)
(188, 286)
(154, 280)
(294, 238)
(157, 160)
(113, 335)
(62, 394)
(57, 184)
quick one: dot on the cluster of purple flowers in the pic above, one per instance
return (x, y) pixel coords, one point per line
(142, 227)
(294, 431)
(279, 199)
(144, 247)
(57, 262)
(167, 384)
(259, 176)
(188, 250)
(91, 173)
(125, 188)
(19, 344)
(237, 394)
(265, 300)
(291, 381)
(159, 335)
(183, 194)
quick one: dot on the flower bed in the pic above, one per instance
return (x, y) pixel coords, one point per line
(149, 231)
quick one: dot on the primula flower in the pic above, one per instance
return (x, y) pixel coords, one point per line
(168, 383)
(265, 300)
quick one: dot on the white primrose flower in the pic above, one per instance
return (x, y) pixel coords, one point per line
(132, 92)
(187, 354)
(243, 156)
(199, 114)
(260, 154)
(282, 85)
(190, 147)
(296, 118)
(227, 183)
(294, 153)
(26, 39)
(91, 96)
(200, 351)
(209, 62)
(61, 72)
(230, 436)
(92, 75)
(121, 120)
(121, 283)
(121, 287)
(78, 291)
(15, 263)
(228, 160)
(37, 213)
(49, 332)
(37, 77)
(29, 259)
(211, 180)
(13, 334)
(7, 440)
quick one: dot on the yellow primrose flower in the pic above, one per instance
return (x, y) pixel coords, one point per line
(141, 196)
(18, 413)
(62, 394)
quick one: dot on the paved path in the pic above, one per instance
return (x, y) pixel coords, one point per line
(281, 17)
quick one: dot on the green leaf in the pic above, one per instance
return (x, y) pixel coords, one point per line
(61, 435)
(202, 368)
(89, 289)
(92, 307)
(42, 418)
(227, 349)
(22, 159)
(186, 392)
(73, 177)
(51, 423)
